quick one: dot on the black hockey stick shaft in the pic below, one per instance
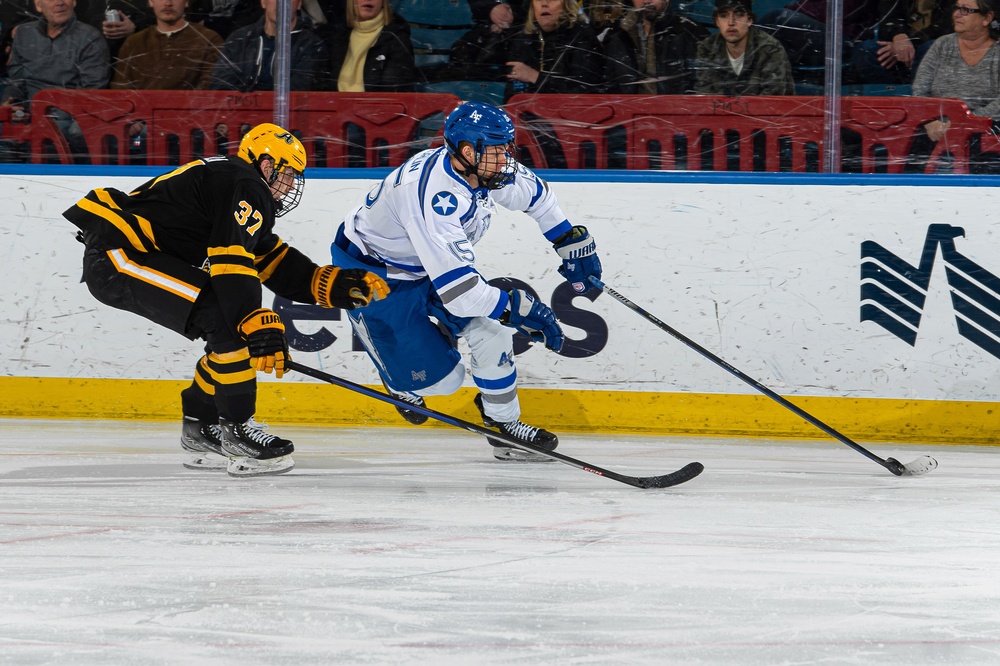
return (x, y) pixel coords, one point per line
(686, 473)
(891, 464)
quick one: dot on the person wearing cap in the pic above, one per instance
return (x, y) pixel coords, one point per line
(741, 59)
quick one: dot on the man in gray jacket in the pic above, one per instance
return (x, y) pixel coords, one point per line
(56, 51)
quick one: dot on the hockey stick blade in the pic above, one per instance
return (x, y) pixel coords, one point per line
(916, 468)
(920, 466)
(686, 473)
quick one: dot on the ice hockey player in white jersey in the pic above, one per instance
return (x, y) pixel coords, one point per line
(417, 229)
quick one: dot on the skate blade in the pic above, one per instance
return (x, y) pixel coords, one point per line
(505, 454)
(207, 461)
(243, 467)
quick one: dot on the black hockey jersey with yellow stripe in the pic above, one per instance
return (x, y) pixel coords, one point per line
(216, 213)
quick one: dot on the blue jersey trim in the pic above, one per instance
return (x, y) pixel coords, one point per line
(539, 189)
(406, 267)
(496, 384)
(555, 232)
(425, 177)
(469, 214)
(501, 306)
(445, 279)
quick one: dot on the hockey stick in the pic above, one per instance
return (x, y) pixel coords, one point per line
(685, 473)
(919, 466)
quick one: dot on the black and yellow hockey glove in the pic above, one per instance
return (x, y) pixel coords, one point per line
(346, 288)
(265, 336)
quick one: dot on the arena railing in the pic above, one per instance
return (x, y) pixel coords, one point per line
(700, 133)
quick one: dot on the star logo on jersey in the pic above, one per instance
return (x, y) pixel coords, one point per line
(444, 203)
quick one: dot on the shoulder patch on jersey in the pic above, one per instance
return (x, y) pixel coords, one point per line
(444, 203)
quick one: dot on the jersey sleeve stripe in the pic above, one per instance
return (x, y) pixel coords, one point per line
(270, 263)
(456, 290)
(232, 269)
(560, 229)
(445, 279)
(539, 190)
(501, 305)
(163, 281)
(114, 218)
(233, 356)
(233, 250)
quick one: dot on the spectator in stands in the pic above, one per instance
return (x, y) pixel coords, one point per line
(132, 15)
(56, 51)
(741, 59)
(903, 40)
(801, 28)
(930, 19)
(372, 52)
(962, 65)
(481, 53)
(247, 59)
(224, 16)
(172, 55)
(650, 50)
(12, 13)
(556, 52)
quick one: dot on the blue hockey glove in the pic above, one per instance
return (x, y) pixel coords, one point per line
(533, 318)
(580, 261)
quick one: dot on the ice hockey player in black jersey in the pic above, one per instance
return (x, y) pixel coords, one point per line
(189, 250)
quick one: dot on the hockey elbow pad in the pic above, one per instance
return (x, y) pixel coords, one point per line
(346, 288)
(265, 336)
(580, 261)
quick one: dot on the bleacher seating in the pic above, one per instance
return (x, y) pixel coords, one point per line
(434, 26)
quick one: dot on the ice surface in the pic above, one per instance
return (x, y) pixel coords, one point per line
(411, 545)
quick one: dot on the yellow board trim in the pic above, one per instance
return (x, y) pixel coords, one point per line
(874, 419)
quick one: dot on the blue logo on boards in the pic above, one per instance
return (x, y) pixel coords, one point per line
(893, 292)
(444, 203)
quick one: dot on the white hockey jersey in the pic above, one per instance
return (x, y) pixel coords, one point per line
(423, 220)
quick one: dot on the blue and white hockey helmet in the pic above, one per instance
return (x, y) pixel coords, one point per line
(478, 123)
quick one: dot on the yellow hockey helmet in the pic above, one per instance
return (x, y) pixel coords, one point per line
(286, 151)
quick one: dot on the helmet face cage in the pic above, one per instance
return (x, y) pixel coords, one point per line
(481, 125)
(291, 198)
(505, 173)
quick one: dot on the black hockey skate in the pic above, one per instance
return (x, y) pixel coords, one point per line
(416, 418)
(536, 437)
(204, 441)
(254, 452)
